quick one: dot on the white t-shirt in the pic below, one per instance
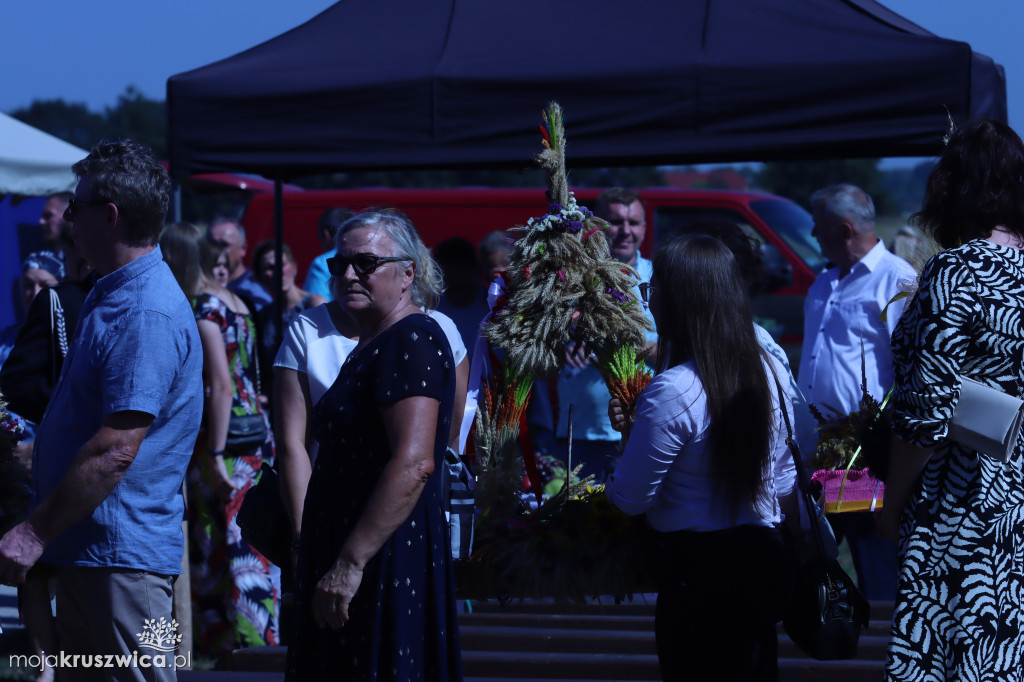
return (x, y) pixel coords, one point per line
(314, 346)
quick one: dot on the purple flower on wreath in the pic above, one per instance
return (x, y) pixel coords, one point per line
(573, 225)
(586, 211)
(554, 209)
(617, 295)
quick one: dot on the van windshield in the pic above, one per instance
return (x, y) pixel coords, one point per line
(794, 225)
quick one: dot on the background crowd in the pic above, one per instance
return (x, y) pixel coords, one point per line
(359, 391)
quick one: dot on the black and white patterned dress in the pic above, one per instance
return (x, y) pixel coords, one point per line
(960, 609)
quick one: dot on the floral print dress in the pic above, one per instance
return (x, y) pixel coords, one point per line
(235, 589)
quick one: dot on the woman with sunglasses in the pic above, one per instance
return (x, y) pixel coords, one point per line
(375, 591)
(312, 352)
(708, 464)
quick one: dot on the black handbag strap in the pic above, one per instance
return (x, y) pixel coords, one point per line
(803, 480)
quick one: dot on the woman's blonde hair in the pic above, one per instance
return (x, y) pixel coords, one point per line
(428, 282)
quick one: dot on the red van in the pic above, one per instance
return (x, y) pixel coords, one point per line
(782, 226)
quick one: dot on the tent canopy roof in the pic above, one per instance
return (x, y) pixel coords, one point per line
(373, 84)
(34, 163)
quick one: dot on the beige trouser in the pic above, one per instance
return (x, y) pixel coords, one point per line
(111, 619)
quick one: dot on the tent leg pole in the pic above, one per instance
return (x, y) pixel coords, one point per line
(278, 311)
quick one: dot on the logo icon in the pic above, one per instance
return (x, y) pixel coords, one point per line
(159, 634)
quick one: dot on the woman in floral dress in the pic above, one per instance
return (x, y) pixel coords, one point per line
(235, 589)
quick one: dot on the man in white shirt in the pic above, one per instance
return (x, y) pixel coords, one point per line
(846, 344)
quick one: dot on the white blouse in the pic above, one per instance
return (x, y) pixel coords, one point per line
(665, 470)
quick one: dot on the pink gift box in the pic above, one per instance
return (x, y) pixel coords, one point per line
(849, 490)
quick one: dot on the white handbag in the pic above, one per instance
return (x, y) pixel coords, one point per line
(986, 420)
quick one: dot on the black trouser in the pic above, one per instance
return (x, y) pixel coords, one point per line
(719, 597)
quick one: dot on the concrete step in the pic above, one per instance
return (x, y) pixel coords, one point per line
(541, 640)
(641, 604)
(790, 670)
(229, 676)
(555, 640)
(869, 648)
(809, 670)
(566, 640)
(555, 665)
(531, 666)
(558, 620)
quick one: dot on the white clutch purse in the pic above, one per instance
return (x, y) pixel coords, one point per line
(986, 420)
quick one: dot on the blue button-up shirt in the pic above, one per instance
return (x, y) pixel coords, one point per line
(318, 279)
(586, 389)
(844, 334)
(246, 285)
(136, 348)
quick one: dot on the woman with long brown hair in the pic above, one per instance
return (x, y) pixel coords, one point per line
(707, 462)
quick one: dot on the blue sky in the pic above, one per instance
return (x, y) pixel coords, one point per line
(89, 52)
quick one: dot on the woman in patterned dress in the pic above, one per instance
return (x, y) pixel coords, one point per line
(375, 590)
(958, 514)
(235, 589)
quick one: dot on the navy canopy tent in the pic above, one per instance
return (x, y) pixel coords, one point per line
(406, 83)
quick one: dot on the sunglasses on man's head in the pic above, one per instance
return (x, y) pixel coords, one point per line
(362, 263)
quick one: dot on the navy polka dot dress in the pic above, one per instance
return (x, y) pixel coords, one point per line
(402, 623)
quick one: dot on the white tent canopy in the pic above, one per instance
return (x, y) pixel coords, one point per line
(34, 163)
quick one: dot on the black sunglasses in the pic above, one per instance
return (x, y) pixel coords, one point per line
(363, 263)
(74, 203)
(645, 291)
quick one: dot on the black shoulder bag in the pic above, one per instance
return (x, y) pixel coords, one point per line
(263, 519)
(826, 612)
(247, 431)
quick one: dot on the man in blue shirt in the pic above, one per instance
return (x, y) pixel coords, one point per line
(117, 436)
(595, 442)
(229, 235)
(318, 279)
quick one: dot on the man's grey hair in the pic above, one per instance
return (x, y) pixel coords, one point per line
(223, 220)
(495, 242)
(847, 202)
(428, 282)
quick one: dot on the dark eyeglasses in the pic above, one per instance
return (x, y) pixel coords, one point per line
(645, 291)
(74, 203)
(363, 263)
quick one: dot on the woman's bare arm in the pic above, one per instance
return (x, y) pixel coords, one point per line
(906, 462)
(292, 407)
(410, 426)
(459, 406)
(218, 406)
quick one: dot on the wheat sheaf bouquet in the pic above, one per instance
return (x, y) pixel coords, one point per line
(562, 286)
